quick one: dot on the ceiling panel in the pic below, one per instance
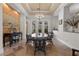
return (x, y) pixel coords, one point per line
(42, 6)
(45, 8)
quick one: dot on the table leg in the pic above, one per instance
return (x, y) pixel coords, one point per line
(73, 52)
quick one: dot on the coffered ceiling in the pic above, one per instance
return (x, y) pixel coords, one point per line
(43, 8)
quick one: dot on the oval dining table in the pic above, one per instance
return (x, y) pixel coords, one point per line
(41, 39)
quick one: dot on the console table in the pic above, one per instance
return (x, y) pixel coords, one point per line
(69, 39)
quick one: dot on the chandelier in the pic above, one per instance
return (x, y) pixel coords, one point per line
(39, 15)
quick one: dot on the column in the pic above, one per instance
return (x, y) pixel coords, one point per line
(23, 27)
(1, 30)
(43, 27)
(30, 26)
(63, 15)
(78, 27)
(49, 26)
(36, 25)
(61, 19)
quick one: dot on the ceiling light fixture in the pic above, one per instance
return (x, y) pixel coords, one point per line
(39, 15)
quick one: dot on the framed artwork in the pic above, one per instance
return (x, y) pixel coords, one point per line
(60, 22)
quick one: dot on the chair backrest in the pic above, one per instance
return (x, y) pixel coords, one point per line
(40, 44)
(29, 38)
(15, 35)
(50, 34)
(19, 33)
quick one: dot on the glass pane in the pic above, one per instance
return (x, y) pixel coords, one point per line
(46, 27)
(33, 27)
(40, 27)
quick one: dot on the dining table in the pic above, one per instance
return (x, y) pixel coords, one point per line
(40, 37)
(39, 42)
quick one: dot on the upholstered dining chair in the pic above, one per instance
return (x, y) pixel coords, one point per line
(28, 38)
(39, 45)
(50, 36)
(29, 42)
(14, 38)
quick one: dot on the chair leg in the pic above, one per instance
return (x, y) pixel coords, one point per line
(10, 43)
(73, 52)
(51, 42)
(45, 53)
(34, 52)
(26, 41)
(27, 47)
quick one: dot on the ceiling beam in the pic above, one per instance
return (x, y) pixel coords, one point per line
(41, 11)
(58, 9)
(29, 8)
(19, 8)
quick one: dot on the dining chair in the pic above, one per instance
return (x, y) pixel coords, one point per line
(50, 36)
(28, 38)
(14, 38)
(39, 45)
(20, 35)
(6, 38)
(29, 42)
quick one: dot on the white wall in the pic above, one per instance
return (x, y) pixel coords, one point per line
(64, 14)
(54, 22)
(29, 26)
(78, 27)
(61, 17)
(74, 8)
(1, 31)
(23, 27)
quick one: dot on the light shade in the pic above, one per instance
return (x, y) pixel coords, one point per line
(39, 16)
